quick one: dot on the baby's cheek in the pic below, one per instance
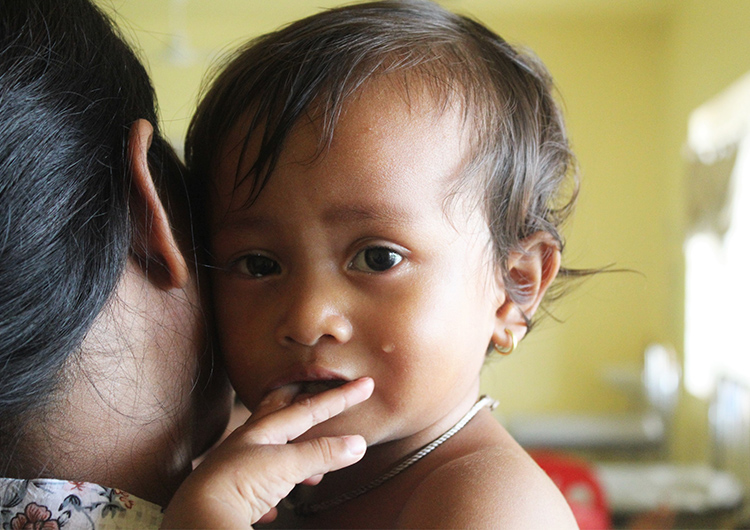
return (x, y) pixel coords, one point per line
(245, 385)
(243, 370)
(243, 333)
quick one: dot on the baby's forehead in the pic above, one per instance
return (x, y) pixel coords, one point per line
(397, 99)
(381, 130)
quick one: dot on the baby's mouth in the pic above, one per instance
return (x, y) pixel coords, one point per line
(310, 388)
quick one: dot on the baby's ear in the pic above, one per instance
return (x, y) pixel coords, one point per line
(153, 243)
(530, 271)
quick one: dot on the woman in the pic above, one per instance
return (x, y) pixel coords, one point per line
(107, 380)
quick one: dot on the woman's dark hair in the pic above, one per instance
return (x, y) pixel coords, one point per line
(521, 165)
(70, 87)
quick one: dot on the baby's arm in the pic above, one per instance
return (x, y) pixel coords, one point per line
(491, 488)
(241, 481)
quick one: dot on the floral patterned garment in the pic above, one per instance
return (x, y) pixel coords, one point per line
(50, 504)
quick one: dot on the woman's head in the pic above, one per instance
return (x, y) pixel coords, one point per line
(520, 161)
(71, 215)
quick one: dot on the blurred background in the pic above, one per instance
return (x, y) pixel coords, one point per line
(643, 374)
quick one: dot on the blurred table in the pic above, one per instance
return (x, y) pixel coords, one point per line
(637, 488)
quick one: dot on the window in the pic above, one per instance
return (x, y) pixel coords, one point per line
(717, 249)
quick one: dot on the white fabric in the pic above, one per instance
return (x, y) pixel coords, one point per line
(51, 504)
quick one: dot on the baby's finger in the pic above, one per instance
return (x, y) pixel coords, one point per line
(296, 463)
(318, 456)
(269, 517)
(250, 480)
(275, 400)
(288, 423)
(313, 481)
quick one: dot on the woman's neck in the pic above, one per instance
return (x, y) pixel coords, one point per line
(85, 437)
(122, 415)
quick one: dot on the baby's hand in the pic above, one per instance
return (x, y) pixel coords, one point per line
(241, 481)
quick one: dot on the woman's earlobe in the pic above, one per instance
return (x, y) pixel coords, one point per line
(154, 243)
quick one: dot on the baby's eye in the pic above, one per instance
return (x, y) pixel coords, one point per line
(257, 265)
(376, 259)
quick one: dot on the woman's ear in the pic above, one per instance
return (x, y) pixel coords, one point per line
(531, 270)
(154, 243)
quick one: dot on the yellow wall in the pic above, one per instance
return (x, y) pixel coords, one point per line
(610, 71)
(214, 27)
(628, 79)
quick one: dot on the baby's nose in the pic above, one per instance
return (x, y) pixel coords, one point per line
(313, 317)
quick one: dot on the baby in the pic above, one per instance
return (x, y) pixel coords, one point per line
(382, 188)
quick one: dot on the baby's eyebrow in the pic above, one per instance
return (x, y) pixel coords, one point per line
(242, 221)
(382, 213)
(335, 214)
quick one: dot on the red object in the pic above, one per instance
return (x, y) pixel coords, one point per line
(580, 487)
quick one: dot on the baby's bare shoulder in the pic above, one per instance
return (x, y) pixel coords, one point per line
(498, 486)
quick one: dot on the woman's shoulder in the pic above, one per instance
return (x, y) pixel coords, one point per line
(490, 484)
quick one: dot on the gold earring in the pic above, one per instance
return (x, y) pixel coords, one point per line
(509, 349)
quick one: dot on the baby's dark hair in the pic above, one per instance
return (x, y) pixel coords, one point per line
(309, 69)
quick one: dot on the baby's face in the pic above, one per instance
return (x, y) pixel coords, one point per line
(359, 264)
